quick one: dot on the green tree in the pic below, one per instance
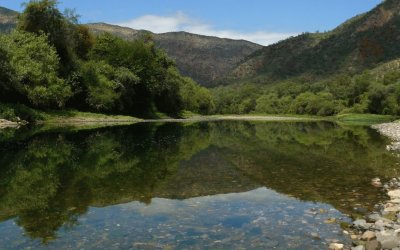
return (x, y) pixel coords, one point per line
(34, 64)
(127, 82)
(5, 74)
(143, 60)
(196, 98)
(43, 16)
(377, 94)
(268, 104)
(102, 88)
(84, 41)
(168, 98)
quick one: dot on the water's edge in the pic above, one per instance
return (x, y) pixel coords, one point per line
(380, 229)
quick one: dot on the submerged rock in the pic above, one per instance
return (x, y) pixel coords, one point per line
(336, 246)
(376, 182)
(315, 236)
(362, 224)
(330, 221)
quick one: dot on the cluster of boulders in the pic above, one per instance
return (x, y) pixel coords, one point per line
(381, 229)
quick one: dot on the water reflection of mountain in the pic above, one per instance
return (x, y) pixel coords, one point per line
(49, 179)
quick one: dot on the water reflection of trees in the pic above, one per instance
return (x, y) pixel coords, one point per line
(49, 180)
(321, 162)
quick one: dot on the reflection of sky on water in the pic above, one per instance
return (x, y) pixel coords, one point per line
(260, 219)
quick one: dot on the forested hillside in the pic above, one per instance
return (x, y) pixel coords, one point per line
(352, 69)
(375, 91)
(360, 43)
(52, 62)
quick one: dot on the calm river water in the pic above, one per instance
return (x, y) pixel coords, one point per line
(209, 185)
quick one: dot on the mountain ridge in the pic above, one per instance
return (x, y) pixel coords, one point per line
(360, 43)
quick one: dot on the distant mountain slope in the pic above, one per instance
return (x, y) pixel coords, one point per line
(8, 19)
(360, 43)
(203, 58)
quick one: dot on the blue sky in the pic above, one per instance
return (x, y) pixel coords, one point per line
(261, 21)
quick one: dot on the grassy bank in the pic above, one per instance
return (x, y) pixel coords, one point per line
(18, 112)
(363, 119)
(348, 119)
(77, 118)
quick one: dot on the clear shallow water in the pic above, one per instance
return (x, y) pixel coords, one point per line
(217, 185)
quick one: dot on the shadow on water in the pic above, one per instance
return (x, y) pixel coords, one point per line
(49, 180)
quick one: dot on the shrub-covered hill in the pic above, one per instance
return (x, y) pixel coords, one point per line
(360, 43)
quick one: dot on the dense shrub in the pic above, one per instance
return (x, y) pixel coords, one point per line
(34, 64)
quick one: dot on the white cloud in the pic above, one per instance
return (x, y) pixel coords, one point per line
(181, 22)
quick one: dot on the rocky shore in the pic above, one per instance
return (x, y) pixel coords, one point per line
(380, 229)
(391, 130)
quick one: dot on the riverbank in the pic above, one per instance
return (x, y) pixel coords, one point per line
(381, 229)
(78, 119)
(233, 118)
(362, 119)
(72, 118)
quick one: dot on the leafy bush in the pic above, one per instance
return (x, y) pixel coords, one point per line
(34, 64)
